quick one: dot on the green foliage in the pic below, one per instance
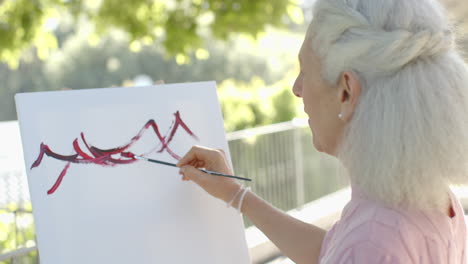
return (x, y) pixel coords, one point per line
(79, 65)
(246, 105)
(253, 81)
(28, 77)
(172, 24)
(21, 25)
(17, 230)
(285, 105)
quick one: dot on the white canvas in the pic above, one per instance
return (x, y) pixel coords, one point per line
(126, 213)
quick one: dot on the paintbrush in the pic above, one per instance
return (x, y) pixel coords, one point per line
(174, 165)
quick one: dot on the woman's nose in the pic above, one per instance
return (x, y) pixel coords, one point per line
(297, 87)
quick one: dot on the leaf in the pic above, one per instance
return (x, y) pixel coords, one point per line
(175, 23)
(295, 13)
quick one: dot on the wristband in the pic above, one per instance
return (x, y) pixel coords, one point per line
(244, 192)
(233, 198)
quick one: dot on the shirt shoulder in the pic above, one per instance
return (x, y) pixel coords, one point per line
(381, 235)
(368, 252)
(370, 233)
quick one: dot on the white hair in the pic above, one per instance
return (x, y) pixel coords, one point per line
(407, 140)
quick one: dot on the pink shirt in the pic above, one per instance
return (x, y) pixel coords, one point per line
(371, 233)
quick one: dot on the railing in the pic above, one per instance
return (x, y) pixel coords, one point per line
(286, 171)
(18, 256)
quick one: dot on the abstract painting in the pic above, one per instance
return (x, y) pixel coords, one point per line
(93, 202)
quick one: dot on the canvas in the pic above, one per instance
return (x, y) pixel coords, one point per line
(91, 204)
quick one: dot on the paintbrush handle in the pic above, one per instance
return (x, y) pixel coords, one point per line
(206, 171)
(224, 175)
(156, 161)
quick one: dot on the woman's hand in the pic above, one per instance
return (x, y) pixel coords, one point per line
(298, 240)
(223, 188)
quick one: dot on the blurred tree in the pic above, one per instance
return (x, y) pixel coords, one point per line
(80, 65)
(29, 77)
(77, 65)
(17, 230)
(174, 24)
(254, 103)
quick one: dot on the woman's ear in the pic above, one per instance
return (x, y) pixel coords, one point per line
(349, 91)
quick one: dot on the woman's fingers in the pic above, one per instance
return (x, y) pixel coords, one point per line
(194, 154)
(189, 157)
(211, 159)
(222, 152)
(198, 155)
(192, 173)
(199, 164)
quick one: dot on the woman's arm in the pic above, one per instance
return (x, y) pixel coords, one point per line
(299, 241)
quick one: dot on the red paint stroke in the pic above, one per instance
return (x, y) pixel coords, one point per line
(103, 157)
(128, 155)
(59, 179)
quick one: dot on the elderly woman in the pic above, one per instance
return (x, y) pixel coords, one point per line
(387, 94)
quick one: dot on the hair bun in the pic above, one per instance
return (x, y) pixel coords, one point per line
(348, 38)
(437, 43)
(399, 47)
(381, 52)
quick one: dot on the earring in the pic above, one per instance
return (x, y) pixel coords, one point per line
(340, 116)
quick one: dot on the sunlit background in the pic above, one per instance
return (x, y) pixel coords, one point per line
(248, 47)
